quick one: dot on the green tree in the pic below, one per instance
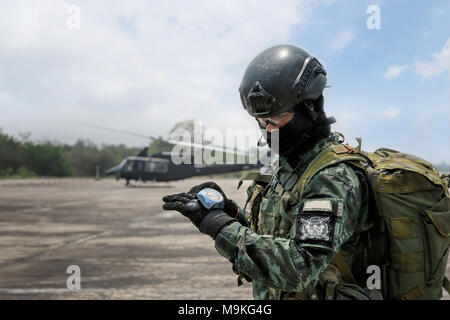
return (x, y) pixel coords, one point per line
(11, 152)
(85, 156)
(46, 159)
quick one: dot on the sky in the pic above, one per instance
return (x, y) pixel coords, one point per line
(143, 66)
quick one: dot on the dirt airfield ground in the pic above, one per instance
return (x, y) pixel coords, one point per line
(125, 245)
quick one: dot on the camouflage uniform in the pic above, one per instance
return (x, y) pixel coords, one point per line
(290, 250)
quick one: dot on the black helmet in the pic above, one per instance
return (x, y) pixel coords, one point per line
(279, 78)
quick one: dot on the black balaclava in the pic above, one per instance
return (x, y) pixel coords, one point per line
(302, 132)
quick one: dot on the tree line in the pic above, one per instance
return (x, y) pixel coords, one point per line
(21, 157)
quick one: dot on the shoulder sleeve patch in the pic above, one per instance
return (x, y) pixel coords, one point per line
(315, 228)
(315, 222)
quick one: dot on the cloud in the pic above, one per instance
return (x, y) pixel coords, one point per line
(437, 12)
(390, 113)
(395, 71)
(440, 63)
(341, 40)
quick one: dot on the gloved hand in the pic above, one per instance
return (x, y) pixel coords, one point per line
(230, 208)
(187, 205)
(210, 222)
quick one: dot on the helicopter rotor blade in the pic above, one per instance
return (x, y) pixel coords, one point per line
(118, 131)
(172, 141)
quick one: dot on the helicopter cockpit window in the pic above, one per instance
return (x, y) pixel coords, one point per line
(150, 167)
(129, 166)
(140, 166)
(161, 167)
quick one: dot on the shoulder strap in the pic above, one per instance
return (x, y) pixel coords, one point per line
(330, 156)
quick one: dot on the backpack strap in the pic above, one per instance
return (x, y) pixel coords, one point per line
(335, 154)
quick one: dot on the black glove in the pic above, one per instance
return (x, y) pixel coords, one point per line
(187, 205)
(230, 207)
(208, 222)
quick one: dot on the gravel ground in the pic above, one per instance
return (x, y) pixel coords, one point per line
(125, 245)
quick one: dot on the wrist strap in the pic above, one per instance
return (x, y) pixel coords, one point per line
(214, 222)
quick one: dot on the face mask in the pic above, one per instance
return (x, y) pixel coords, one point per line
(292, 135)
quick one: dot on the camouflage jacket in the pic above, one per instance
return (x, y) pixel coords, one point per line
(291, 245)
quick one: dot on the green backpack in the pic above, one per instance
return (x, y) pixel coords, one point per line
(411, 206)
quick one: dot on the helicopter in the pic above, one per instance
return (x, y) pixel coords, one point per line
(159, 167)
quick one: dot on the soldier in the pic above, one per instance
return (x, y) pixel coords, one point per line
(291, 245)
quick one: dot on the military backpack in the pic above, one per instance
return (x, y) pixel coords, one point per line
(410, 205)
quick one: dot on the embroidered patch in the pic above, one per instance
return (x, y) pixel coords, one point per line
(318, 205)
(315, 228)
